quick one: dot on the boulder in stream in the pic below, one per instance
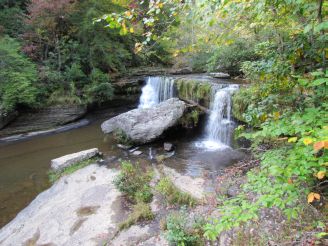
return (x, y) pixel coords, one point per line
(68, 160)
(145, 125)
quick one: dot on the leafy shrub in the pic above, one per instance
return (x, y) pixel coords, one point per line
(183, 229)
(140, 212)
(173, 195)
(134, 182)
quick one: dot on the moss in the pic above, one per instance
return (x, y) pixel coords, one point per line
(173, 195)
(140, 212)
(194, 90)
(55, 175)
(240, 102)
(190, 119)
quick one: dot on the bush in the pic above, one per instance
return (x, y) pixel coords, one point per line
(134, 182)
(182, 229)
(173, 195)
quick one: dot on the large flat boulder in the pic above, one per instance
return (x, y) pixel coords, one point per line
(68, 160)
(145, 125)
(79, 209)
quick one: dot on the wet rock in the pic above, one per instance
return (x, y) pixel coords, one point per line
(122, 146)
(6, 118)
(185, 70)
(68, 160)
(137, 153)
(43, 119)
(193, 186)
(146, 125)
(220, 75)
(76, 210)
(168, 147)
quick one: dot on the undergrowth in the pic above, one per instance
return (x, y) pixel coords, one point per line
(140, 212)
(173, 195)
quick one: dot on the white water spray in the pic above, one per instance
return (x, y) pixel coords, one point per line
(220, 125)
(156, 90)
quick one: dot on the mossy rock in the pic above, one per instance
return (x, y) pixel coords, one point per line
(193, 90)
(240, 102)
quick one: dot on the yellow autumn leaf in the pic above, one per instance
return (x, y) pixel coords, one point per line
(128, 13)
(131, 30)
(276, 115)
(321, 174)
(313, 196)
(307, 141)
(292, 140)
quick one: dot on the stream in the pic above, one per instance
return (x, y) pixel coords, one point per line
(25, 164)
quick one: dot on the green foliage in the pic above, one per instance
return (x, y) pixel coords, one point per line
(183, 229)
(100, 89)
(55, 175)
(229, 58)
(134, 182)
(11, 20)
(18, 76)
(122, 138)
(194, 90)
(173, 195)
(140, 212)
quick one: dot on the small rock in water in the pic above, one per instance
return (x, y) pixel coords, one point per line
(220, 75)
(168, 147)
(137, 153)
(122, 146)
(134, 149)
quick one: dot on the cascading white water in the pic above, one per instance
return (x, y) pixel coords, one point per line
(220, 125)
(156, 90)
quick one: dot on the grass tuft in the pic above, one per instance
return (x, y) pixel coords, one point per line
(173, 195)
(140, 212)
(55, 175)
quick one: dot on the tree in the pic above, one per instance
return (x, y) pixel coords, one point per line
(18, 77)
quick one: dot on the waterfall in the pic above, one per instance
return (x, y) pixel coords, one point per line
(156, 90)
(220, 126)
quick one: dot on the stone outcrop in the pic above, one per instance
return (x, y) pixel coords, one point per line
(220, 75)
(79, 209)
(43, 119)
(6, 118)
(193, 186)
(145, 125)
(68, 160)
